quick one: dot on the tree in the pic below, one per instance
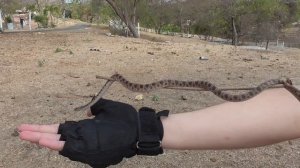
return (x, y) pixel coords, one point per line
(52, 11)
(10, 6)
(126, 10)
(63, 8)
(268, 17)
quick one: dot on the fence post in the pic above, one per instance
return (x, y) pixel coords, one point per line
(1, 25)
(30, 20)
(139, 31)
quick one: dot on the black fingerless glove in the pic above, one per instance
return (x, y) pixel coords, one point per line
(116, 132)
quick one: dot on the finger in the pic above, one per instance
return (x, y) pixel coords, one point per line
(52, 144)
(39, 128)
(36, 136)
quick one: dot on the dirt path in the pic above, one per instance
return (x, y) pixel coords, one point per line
(42, 84)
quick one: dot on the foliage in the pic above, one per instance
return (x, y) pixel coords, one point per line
(159, 15)
(8, 19)
(58, 50)
(254, 19)
(9, 6)
(296, 10)
(42, 20)
(76, 9)
(155, 98)
(170, 28)
(126, 10)
(106, 13)
(52, 9)
(266, 18)
(31, 7)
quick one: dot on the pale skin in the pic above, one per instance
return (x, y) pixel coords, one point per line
(271, 117)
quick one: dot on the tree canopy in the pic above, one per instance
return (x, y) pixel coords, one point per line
(253, 19)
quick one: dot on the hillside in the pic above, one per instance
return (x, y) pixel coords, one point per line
(45, 75)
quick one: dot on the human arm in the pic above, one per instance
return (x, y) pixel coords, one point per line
(271, 117)
(268, 118)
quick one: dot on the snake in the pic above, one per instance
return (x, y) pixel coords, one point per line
(206, 85)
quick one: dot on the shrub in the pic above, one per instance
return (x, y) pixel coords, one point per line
(41, 20)
(8, 19)
(171, 28)
(59, 50)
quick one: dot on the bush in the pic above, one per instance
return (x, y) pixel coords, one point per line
(41, 20)
(171, 28)
(8, 19)
(58, 50)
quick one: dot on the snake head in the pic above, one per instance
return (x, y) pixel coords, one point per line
(289, 81)
(286, 80)
(116, 76)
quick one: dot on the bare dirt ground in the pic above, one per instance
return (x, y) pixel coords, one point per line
(42, 86)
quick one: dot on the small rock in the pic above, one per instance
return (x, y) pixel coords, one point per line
(139, 97)
(290, 142)
(278, 147)
(15, 133)
(150, 53)
(183, 97)
(213, 159)
(203, 58)
(173, 53)
(247, 59)
(13, 97)
(95, 49)
(88, 84)
(109, 35)
(263, 58)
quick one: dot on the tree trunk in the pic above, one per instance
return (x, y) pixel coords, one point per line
(134, 13)
(267, 46)
(1, 24)
(63, 9)
(124, 16)
(235, 35)
(38, 4)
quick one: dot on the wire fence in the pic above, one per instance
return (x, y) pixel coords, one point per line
(285, 39)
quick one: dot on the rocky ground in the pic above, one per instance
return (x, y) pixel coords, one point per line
(44, 76)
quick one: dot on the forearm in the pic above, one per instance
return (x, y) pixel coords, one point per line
(271, 117)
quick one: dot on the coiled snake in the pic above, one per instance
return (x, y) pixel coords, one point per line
(287, 84)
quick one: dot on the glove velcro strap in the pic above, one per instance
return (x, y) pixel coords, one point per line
(150, 132)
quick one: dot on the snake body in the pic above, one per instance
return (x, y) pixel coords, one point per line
(135, 87)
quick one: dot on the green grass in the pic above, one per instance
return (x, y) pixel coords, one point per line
(59, 50)
(155, 98)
